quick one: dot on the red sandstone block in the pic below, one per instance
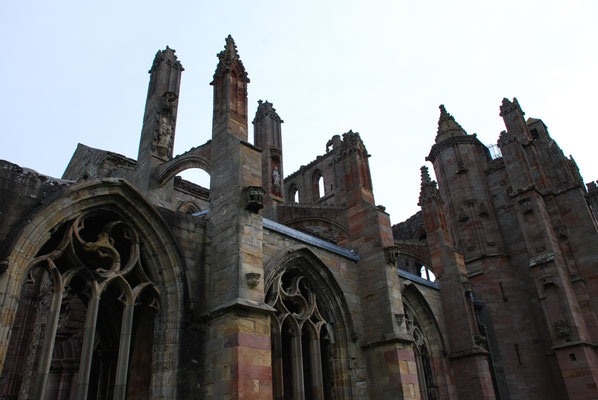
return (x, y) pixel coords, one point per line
(249, 372)
(254, 341)
(391, 355)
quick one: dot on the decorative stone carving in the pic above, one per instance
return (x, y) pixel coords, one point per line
(392, 255)
(400, 319)
(562, 232)
(276, 180)
(526, 206)
(168, 55)
(265, 109)
(562, 329)
(253, 279)
(228, 59)
(542, 258)
(352, 142)
(165, 123)
(253, 197)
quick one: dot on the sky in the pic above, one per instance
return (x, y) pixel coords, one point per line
(76, 72)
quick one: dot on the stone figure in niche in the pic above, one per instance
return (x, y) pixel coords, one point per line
(164, 136)
(276, 180)
(276, 177)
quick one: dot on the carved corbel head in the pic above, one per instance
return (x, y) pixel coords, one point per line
(253, 279)
(253, 198)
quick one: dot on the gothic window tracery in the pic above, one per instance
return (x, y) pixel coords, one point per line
(425, 370)
(84, 324)
(301, 340)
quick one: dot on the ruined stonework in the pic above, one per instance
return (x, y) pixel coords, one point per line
(122, 280)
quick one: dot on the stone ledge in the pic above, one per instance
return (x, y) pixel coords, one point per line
(238, 303)
(474, 351)
(387, 338)
(573, 344)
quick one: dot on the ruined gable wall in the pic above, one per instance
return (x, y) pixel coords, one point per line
(305, 181)
(21, 192)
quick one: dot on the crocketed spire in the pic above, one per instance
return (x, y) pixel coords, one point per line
(447, 126)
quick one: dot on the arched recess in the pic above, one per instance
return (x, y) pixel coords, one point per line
(177, 166)
(429, 345)
(110, 208)
(293, 194)
(189, 207)
(411, 256)
(316, 328)
(318, 185)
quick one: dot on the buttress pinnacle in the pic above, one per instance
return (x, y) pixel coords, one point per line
(228, 60)
(428, 189)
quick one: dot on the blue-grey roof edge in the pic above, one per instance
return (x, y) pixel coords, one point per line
(304, 237)
(418, 279)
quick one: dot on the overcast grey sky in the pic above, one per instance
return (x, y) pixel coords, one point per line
(76, 71)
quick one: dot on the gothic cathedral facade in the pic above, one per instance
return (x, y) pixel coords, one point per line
(123, 281)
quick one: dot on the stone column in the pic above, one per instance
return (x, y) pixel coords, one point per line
(87, 350)
(316, 368)
(122, 366)
(297, 358)
(41, 379)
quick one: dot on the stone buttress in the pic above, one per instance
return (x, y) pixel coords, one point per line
(238, 355)
(159, 123)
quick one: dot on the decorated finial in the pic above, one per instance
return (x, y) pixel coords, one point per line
(266, 109)
(167, 56)
(428, 187)
(229, 60)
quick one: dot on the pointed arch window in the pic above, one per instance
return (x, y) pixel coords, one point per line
(423, 360)
(318, 186)
(84, 323)
(293, 194)
(301, 340)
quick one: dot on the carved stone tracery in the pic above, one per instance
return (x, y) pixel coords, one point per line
(95, 256)
(300, 333)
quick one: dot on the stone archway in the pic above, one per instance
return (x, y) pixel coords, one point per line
(312, 330)
(98, 242)
(429, 347)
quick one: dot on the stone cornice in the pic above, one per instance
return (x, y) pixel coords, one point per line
(468, 139)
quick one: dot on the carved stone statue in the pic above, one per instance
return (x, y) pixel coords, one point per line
(276, 177)
(164, 136)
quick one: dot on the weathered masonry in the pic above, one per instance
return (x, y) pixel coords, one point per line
(123, 281)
